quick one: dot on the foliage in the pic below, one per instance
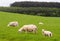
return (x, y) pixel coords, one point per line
(35, 4)
(40, 11)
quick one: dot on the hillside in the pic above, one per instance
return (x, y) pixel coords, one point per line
(11, 33)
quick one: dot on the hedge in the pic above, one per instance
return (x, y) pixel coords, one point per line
(40, 11)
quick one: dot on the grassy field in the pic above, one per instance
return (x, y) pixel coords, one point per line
(12, 34)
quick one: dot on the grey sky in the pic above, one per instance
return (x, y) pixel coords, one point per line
(8, 2)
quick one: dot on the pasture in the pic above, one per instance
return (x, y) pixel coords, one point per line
(11, 33)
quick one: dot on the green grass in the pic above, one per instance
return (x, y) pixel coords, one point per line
(12, 34)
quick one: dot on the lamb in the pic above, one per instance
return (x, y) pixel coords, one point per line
(46, 33)
(13, 23)
(28, 28)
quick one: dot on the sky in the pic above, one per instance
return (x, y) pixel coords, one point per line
(7, 3)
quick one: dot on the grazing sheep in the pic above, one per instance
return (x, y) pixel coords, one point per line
(46, 33)
(28, 28)
(14, 23)
(40, 23)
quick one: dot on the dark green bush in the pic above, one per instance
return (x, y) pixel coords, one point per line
(40, 11)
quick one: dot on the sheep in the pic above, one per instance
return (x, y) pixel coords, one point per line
(13, 23)
(28, 28)
(46, 33)
(41, 23)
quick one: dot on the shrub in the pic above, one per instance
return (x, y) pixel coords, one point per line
(40, 11)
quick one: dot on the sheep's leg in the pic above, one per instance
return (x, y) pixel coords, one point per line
(34, 31)
(25, 31)
(45, 35)
(49, 35)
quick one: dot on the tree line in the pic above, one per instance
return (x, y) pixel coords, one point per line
(35, 4)
(39, 11)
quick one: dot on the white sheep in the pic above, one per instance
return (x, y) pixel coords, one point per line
(13, 23)
(28, 28)
(46, 33)
(41, 23)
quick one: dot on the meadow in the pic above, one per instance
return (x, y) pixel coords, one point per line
(11, 33)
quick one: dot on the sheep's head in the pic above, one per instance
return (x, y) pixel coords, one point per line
(20, 30)
(8, 25)
(43, 30)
